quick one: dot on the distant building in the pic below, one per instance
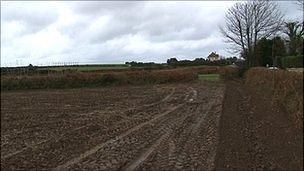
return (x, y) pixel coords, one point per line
(214, 56)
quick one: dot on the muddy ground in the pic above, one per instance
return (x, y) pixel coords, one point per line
(194, 126)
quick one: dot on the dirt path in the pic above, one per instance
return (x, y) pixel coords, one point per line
(158, 127)
(256, 134)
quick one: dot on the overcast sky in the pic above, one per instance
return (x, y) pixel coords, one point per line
(113, 32)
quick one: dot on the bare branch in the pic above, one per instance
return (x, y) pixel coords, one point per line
(300, 3)
(247, 22)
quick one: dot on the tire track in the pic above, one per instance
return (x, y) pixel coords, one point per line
(119, 137)
(69, 152)
(96, 148)
(193, 146)
(41, 142)
(212, 156)
(154, 103)
(122, 114)
(145, 154)
(33, 146)
(132, 146)
(176, 122)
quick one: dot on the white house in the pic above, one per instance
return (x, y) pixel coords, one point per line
(214, 56)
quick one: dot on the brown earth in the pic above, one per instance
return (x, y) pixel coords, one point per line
(192, 126)
(169, 127)
(256, 133)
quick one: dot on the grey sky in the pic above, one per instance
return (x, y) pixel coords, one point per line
(113, 32)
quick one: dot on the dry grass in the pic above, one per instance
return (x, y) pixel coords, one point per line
(93, 79)
(284, 86)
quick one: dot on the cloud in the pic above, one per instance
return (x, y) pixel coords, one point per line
(33, 16)
(111, 31)
(291, 10)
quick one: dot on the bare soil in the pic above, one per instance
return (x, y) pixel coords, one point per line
(256, 133)
(160, 127)
(190, 126)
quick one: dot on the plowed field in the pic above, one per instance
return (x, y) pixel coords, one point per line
(160, 127)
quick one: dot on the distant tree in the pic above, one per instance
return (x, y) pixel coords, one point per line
(247, 22)
(172, 61)
(30, 67)
(145, 65)
(200, 61)
(294, 32)
(231, 60)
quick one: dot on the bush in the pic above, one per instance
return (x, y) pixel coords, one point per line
(292, 61)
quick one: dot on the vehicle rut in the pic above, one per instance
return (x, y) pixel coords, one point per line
(98, 147)
(174, 129)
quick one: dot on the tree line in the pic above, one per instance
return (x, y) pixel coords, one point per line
(173, 62)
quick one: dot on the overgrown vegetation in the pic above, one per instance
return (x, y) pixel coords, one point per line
(284, 87)
(93, 79)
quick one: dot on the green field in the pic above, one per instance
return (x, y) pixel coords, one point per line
(87, 67)
(209, 77)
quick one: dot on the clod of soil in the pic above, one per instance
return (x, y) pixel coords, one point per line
(169, 127)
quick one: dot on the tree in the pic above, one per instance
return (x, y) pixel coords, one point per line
(172, 61)
(247, 22)
(30, 67)
(278, 50)
(300, 3)
(269, 51)
(294, 32)
(264, 51)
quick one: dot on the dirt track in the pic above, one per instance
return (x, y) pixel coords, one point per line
(163, 127)
(256, 133)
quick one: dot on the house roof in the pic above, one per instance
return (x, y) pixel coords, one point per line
(214, 54)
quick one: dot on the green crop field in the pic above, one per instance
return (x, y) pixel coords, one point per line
(209, 77)
(88, 67)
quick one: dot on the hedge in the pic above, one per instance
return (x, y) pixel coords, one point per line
(285, 87)
(292, 61)
(93, 79)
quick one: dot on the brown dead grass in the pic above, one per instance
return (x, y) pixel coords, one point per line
(284, 87)
(94, 79)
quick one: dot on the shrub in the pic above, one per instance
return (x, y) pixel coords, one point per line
(292, 61)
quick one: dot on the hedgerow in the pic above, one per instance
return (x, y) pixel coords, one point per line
(284, 87)
(93, 79)
(292, 61)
